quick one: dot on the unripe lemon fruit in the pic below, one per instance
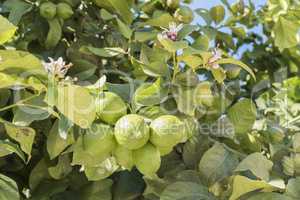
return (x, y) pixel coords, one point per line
(124, 157)
(64, 11)
(48, 10)
(131, 131)
(110, 107)
(147, 159)
(167, 131)
(165, 150)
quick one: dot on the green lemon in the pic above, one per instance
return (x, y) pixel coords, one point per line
(110, 107)
(147, 159)
(48, 10)
(203, 94)
(95, 146)
(124, 157)
(167, 131)
(64, 11)
(131, 131)
(165, 150)
(184, 14)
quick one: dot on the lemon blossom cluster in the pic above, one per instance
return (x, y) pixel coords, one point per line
(216, 56)
(172, 31)
(57, 68)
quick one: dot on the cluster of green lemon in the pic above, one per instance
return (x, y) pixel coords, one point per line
(50, 10)
(138, 142)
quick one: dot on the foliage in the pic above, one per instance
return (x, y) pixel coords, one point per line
(133, 99)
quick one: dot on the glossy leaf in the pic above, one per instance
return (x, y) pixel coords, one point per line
(7, 30)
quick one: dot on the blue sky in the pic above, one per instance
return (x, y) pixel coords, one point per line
(210, 3)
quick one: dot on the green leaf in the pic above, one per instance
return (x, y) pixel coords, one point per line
(186, 30)
(23, 135)
(193, 61)
(106, 15)
(17, 9)
(7, 148)
(8, 189)
(124, 29)
(190, 98)
(219, 74)
(77, 104)
(129, 186)
(194, 149)
(149, 94)
(7, 30)
(185, 100)
(97, 190)
(243, 185)
(187, 191)
(62, 169)
(242, 115)
(92, 148)
(38, 174)
(102, 52)
(121, 7)
(293, 188)
(172, 46)
(270, 196)
(34, 110)
(258, 164)
(201, 43)
(285, 32)
(238, 63)
(54, 33)
(55, 143)
(12, 80)
(239, 31)
(217, 13)
(141, 36)
(217, 163)
(162, 20)
(20, 61)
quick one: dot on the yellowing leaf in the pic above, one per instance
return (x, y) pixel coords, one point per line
(191, 60)
(243, 185)
(23, 135)
(285, 32)
(20, 61)
(7, 30)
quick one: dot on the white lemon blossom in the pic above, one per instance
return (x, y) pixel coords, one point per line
(57, 68)
(216, 55)
(172, 31)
